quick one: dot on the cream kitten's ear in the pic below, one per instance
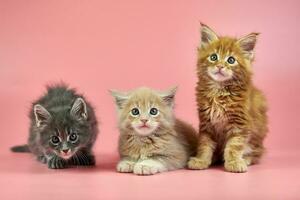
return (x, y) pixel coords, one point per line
(169, 96)
(247, 44)
(120, 98)
(207, 35)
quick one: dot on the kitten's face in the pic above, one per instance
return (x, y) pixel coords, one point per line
(144, 111)
(224, 58)
(65, 131)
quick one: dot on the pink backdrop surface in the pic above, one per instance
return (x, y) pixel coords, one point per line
(99, 45)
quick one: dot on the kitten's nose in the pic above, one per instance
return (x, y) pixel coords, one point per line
(144, 120)
(65, 150)
(219, 67)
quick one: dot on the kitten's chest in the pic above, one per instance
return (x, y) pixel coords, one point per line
(217, 113)
(138, 147)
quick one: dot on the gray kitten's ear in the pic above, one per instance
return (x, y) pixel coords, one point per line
(169, 96)
(207, 35)
(79, 109)
(120, 98)
(42, 116)
(247, 44)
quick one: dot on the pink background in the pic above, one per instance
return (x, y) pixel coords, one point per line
(99, 45)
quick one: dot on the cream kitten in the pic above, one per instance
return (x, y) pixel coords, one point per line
(151, 139)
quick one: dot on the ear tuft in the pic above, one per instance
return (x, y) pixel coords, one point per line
(79, 109)
(42, 116)
(247, 43)
(120, 98)
(169, 96)
(207, 35)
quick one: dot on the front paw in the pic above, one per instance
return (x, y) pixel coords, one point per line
(125, 166)
(149, 167)
(57, 163)
(237, 166)
(198, 163)
(83, 159)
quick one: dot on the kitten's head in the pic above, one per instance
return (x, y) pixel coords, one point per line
(225, 58)
(145, 111)
(62, 131)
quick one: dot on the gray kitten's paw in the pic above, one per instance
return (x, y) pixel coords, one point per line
(57, 163)
(125, 166)
(83, 159)
(149, 167)
(42, 159)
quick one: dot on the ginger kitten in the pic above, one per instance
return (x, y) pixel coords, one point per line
(151, 139)
(232, 112)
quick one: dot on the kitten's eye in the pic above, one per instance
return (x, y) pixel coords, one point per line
(213, 57)
(231, 60)
(55, 140)
(135, 112)
(73, 137)
(153, 111)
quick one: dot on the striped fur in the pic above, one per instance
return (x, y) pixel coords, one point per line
(232, 112)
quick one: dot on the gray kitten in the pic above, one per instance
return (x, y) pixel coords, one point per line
(63, 129)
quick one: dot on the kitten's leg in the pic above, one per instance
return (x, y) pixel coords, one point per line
(149, 167)
(205, 153)
(83, 158)
(233, 154)
(126, 165)
(55, 162)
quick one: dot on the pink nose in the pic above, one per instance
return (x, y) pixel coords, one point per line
(219, 67)
(65, 150)
(144, 120)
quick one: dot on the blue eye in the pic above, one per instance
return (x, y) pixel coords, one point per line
(55, 140)
(135, 111)
(231, 60)
(213, 57)
(153, 111)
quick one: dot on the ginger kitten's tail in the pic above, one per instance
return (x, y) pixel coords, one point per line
(20, 148)
(189, 134)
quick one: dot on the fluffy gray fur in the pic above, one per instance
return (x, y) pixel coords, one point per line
(63, 129)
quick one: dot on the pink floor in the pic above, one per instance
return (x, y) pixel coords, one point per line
(277, 177)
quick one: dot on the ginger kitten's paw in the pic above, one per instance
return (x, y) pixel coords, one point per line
(149, 167)
(198, 163)
(238, 166)
(125, 166)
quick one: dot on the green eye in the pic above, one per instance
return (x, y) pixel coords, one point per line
(135, 111)
(153, 111)
(213, 57)
(231, 60)
(55, 140)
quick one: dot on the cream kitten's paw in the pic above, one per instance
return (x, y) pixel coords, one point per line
(125, 166)
(198, 163)
(149, 167)
(238, 165)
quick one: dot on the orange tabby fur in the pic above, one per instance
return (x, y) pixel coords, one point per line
(232, 112)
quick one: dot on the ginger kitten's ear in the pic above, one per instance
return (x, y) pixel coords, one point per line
(247, 44)
(79, 109)
(42, 116)
(207, 35)
(169, 96)
(120, 98)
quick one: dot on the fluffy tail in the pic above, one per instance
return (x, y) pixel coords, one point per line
(189, 134)
(20, 148)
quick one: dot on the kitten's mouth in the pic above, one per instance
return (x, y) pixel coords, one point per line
(144, 126)
(66, 154)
